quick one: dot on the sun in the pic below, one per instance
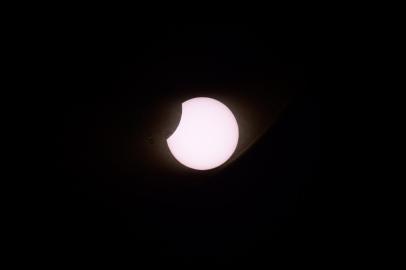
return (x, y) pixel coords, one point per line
(207, 134)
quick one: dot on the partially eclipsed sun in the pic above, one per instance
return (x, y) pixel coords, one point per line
(207, 134)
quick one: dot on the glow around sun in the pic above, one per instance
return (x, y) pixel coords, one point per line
(207, 134)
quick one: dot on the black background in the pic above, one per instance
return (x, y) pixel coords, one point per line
(113, 186)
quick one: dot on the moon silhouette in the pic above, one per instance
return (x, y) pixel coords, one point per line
(207, 134)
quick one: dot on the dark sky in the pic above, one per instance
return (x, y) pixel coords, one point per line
(113, 183)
